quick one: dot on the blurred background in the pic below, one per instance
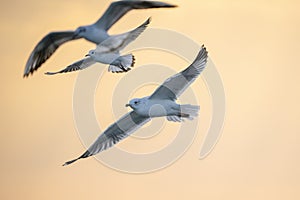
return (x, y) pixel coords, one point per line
(253, 44)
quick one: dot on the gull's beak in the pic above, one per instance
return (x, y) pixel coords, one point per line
(87, 55)
(127, 105)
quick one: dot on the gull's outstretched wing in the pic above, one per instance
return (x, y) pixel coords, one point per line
(115, 133)
(173, 87)
(45, 48)
(118, 42)
(119, 8)
(79, 65)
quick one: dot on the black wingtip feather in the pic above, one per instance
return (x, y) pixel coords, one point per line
(70, 162)
(50, 73)
(133, 61)
(153, 4)
(170, 6)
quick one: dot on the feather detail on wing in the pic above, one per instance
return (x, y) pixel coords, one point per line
(173, 87)
(45, 48)
(116, 43)
(79, 65)
(115, 133)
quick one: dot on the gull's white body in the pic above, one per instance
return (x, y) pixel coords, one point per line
(105, 58)
(155, 107)
(95, 34)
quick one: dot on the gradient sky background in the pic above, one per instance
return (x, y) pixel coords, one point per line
(255, 46)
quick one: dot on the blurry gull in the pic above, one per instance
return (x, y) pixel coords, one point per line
(95, 33)
(108, 52)
(161, 103)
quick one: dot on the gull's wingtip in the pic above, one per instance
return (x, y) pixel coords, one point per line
(157, 4)
(27, 73)
(50, 73)
(202, 56)
(70, 162)
(173, 6)
(168, 5)
(204, 50)
(146, 23)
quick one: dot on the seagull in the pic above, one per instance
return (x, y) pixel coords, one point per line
(108, 52)
(161, 103)
(95, 33)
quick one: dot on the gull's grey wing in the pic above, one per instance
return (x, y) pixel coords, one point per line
(118, 42)
(173, 87)
(115, 133)
(45, 48)
(119, 8)
(79, 65)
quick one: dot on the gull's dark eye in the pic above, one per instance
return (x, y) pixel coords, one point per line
(82, 30)
(135, 102)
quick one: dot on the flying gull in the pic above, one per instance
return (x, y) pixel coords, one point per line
(108, 52)
(95, 33)
(161, 103)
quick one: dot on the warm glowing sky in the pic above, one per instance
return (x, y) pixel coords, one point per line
(255, 47)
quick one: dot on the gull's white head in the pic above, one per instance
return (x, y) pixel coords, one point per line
(91, 53)
(136, 103)
(80, 32)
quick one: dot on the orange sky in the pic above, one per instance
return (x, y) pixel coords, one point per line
(253, 44)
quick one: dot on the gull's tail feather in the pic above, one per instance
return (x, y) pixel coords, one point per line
(122, 64)
(189, 111)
